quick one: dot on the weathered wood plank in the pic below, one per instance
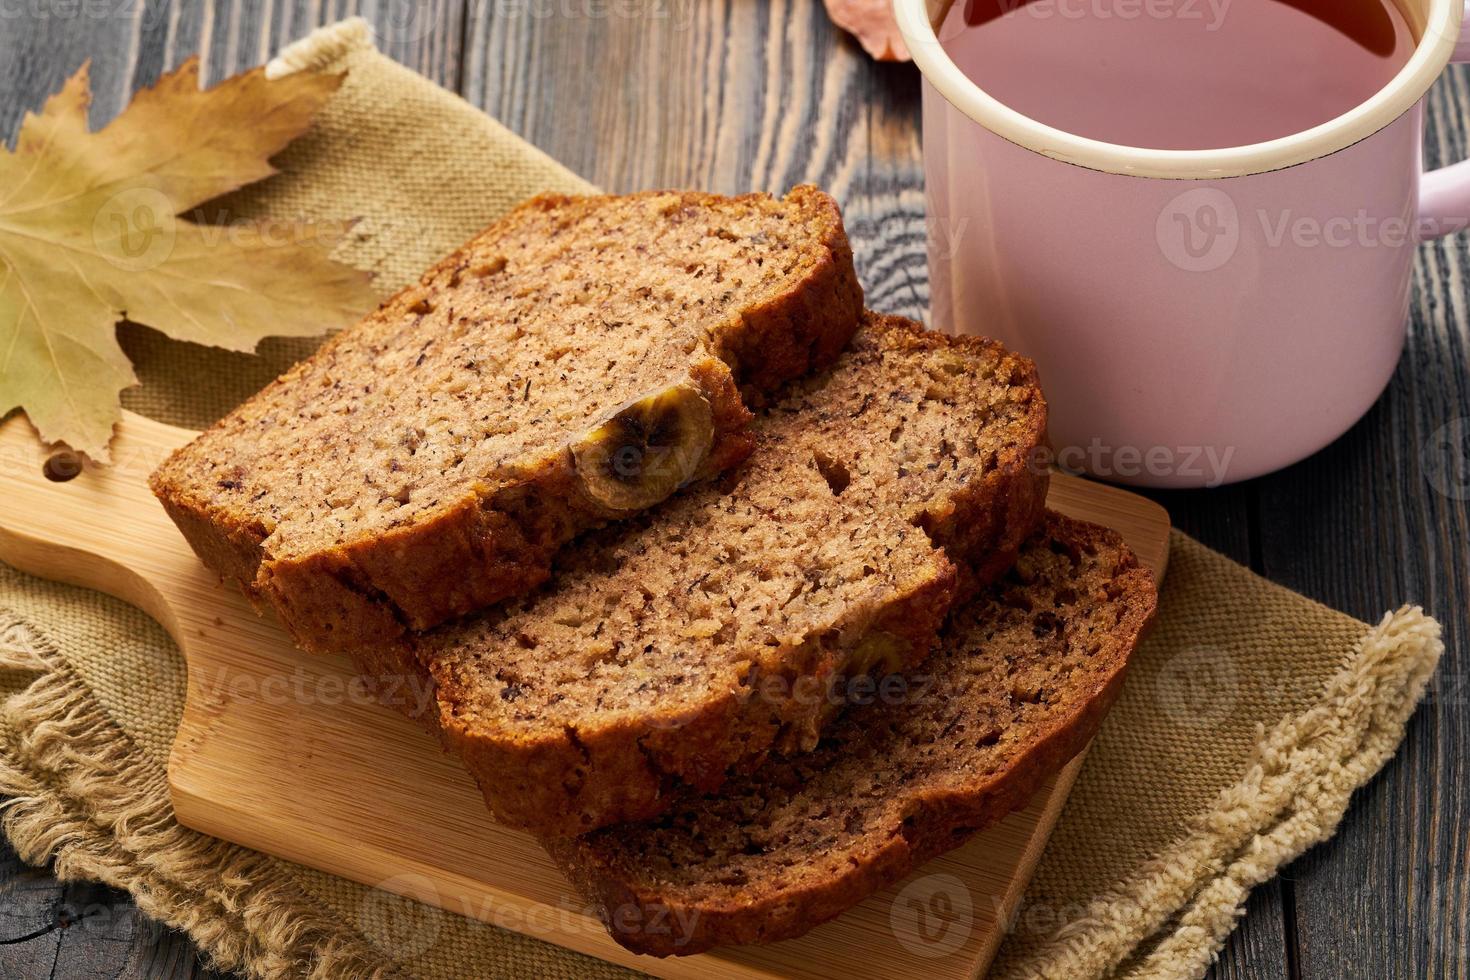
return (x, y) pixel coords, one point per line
(83, 930)
(237, 34)
(1260, 947)
(130, 44)
(1379, 518)
(102, 934)
(29, 897)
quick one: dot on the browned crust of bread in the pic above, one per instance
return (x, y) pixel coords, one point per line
(228, 546)
(804, 331)
(490, 548)
(934, 822)
(625, 773)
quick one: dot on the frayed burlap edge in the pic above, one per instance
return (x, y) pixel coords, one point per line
(1182, 905)
(81, 795)
(320, 48)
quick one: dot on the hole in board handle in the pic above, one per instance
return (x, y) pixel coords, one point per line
(63, 466)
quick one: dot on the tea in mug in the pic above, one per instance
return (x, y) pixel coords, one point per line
(1179, 74)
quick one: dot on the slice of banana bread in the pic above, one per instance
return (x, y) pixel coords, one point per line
(1020, 684)
(692, 641)
(576, 362)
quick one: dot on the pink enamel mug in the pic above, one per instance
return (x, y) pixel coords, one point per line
(1182, 342)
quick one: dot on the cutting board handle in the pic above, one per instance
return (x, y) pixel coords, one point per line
(98, 526)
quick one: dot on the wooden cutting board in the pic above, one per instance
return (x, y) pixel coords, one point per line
(280, 751)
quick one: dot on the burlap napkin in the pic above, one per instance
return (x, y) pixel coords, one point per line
(1251, 715)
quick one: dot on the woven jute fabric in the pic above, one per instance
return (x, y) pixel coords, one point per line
(1250, 716)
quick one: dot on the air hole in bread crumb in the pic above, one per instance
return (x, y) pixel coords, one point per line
(834, 471)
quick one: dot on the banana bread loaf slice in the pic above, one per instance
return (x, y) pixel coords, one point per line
(576, 362)
(1020, 683)
(692, 641)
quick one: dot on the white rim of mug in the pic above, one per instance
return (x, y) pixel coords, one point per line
(1433, 53)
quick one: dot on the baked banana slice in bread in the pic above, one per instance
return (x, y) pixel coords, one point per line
(685, 645)
(1021, 681)
(575, 363)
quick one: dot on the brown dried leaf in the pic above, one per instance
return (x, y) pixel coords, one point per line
(89, 233)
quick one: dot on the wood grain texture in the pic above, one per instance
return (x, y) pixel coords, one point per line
(689, 97)
(285, 753)
(81, 929)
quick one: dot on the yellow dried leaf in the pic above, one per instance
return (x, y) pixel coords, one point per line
(90, 232)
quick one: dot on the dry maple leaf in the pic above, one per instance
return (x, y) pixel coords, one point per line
(89, 234)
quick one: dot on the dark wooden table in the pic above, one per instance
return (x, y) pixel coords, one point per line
(733, 95)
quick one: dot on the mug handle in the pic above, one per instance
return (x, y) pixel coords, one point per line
(1444, 194)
